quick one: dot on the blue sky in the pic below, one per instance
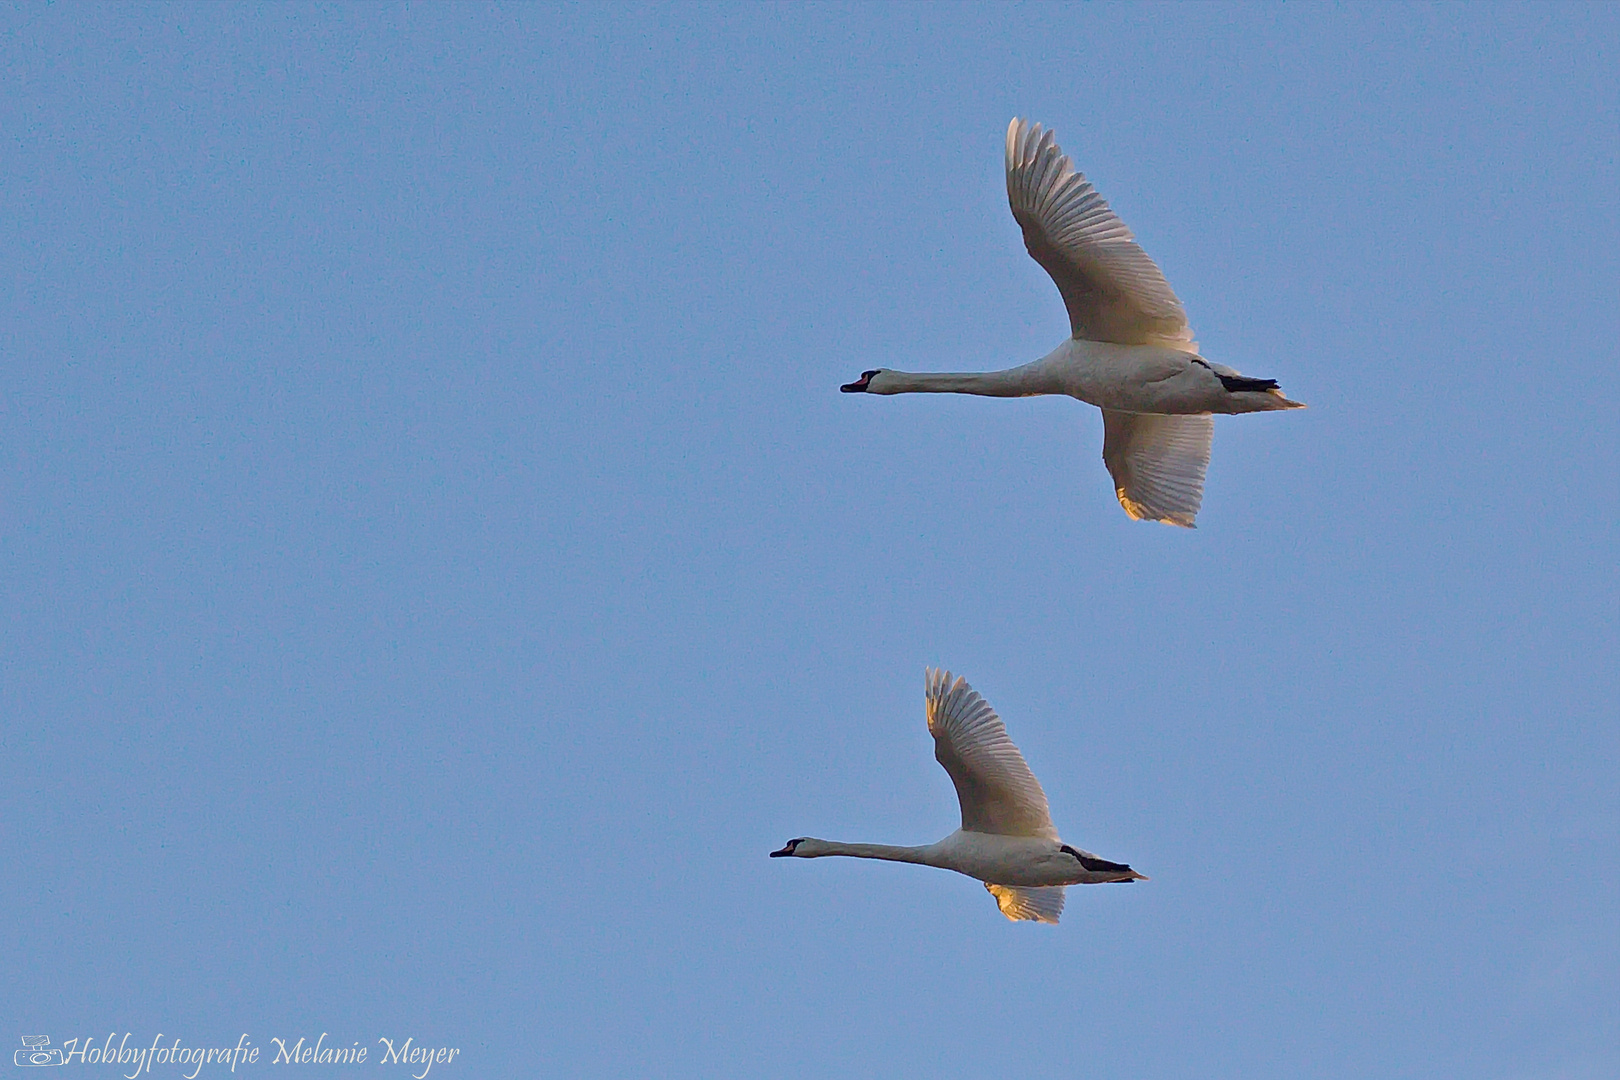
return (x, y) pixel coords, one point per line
(438, 564)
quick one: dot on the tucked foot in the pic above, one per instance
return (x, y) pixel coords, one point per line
(1238, 383)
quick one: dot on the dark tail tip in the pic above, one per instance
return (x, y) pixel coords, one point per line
(1237, 383)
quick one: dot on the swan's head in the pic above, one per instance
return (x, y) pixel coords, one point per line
(792, 848)
(1095, 866)
(863, 385)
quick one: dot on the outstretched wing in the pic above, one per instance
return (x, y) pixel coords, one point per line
(997, 791)
(1040, 903)
(1113, 291)
(1158, 463)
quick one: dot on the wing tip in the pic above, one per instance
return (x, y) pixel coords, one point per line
(1028, 904)
(1138, 512)
(938, 685)
(1016, 127)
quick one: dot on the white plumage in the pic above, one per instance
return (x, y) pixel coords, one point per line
(1131, 352)
(997, 791)
(1113, 291)
(1158, 463)
(1007, 839)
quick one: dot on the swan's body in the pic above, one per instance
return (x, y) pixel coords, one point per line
(1120, 378)
(1131, 352)
(1007, 839)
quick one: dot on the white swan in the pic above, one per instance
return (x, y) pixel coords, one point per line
(1006, 840)
(1131, 354)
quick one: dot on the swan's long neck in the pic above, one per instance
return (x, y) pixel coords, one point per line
(1026, 380)
(815, 849)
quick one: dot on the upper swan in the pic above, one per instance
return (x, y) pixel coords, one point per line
(1132, 353)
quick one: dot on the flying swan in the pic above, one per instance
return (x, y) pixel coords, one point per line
(1132, 353)
(1007, 839)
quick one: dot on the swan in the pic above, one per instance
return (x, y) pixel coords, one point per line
(1131, 353)
(1007, 839)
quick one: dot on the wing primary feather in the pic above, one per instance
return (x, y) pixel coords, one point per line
(1113, 291)
(1158, 463)
(994, 785)
(1029, 903)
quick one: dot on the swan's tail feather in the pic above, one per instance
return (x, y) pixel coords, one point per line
(1233, 383)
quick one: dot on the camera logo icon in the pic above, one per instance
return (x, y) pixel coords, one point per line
(36, 1054)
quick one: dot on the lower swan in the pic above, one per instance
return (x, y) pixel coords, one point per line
(1007, 839)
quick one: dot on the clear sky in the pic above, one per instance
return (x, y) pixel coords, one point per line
(437, 564)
